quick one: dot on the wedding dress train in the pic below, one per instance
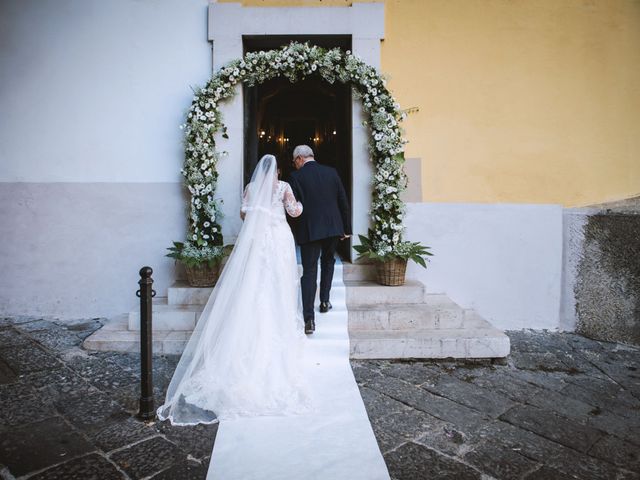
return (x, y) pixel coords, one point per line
(244, 357)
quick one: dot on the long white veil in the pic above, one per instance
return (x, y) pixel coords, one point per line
(243, 356)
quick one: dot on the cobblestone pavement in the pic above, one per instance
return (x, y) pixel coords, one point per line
(562, 407)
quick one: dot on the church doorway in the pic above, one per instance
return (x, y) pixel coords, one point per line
(278, 115)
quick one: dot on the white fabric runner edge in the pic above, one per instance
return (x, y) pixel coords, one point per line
(335, 442)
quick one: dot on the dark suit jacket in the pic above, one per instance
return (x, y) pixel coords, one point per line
(325, 211)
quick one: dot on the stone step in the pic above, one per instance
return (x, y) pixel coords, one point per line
(180, 293)
(404, 317)
(363, 292)
(438, 312)
(486, 342)
(167, 317)
(429, 343)
(115, 336)
(358, 272)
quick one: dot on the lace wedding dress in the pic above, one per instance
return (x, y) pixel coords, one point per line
(244, 357)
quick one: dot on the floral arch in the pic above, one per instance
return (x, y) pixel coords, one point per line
(295, 61)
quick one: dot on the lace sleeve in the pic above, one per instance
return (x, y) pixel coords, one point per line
(245, 202)
(291, 205)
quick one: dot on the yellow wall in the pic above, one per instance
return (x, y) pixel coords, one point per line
(534, 101)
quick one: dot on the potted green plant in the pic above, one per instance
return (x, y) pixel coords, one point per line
(202, 263)
(391, 260)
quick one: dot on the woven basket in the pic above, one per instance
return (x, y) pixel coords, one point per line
(391, 272)
(202, 275)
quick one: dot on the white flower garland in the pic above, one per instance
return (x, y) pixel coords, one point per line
(296, 61)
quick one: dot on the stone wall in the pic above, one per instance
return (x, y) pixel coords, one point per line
(606, 286)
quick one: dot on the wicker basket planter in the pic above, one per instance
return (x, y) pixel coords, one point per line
(391, 272)
(203, 275)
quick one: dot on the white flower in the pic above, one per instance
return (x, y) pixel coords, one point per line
(385, 137)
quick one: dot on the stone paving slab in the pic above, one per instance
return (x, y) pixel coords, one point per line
(560, 407)
(88, 466)
(499, 461)
(36, 445)
(147, 457)
(553, 427)
(412, 461)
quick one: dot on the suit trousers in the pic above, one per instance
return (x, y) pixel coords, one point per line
(310, 252)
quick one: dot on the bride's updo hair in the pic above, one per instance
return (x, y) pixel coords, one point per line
(267, 161)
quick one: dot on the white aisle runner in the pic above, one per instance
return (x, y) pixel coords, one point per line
(336, 442)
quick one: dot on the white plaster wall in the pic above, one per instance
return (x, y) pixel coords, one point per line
(75, 249)
(95, 91)
(504, 261)
(574, 221)
(92, 94)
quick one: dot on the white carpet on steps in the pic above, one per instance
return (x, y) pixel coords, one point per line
(336, 442)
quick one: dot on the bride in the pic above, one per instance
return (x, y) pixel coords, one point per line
(244, 357)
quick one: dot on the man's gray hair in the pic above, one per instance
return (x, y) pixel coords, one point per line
(302, 151)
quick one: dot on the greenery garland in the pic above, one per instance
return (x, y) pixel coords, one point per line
(297, 61)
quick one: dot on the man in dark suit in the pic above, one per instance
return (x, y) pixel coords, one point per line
(325, 220)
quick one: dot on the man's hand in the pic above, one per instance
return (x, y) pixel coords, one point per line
(344, 237)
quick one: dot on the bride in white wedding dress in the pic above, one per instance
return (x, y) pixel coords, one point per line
(244, 357)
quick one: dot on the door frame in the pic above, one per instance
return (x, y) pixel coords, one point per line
(228, 23)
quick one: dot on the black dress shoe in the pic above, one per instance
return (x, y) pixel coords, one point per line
(309, 325)
(325, 306)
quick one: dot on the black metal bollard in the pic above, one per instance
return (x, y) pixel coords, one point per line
(146, 294)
